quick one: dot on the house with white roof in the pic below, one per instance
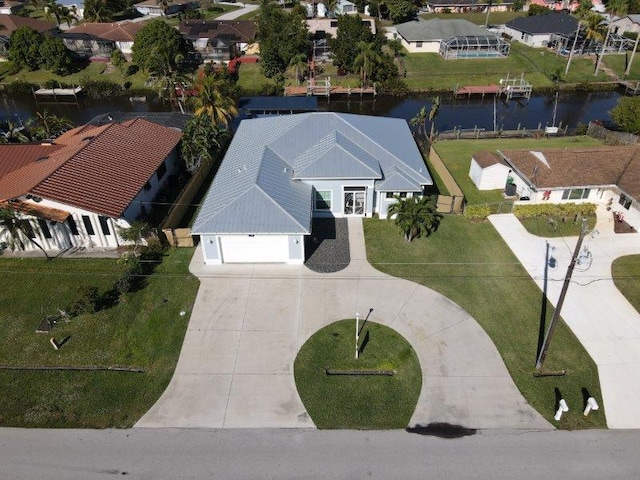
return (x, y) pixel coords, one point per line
(280, 172)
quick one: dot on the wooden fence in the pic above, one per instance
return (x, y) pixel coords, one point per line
(454, 202)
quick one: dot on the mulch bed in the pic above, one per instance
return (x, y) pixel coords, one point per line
(327, 248)
(620, 226)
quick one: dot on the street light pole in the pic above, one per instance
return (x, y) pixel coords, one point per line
(563, 293)
(357, 332)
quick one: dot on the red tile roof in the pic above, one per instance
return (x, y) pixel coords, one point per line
(582, 167)
(100, 169)
(11, 23)
(117, 32)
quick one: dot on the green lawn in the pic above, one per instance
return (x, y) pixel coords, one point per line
(478, 18)
(429, 71)
(470, 264)
(560, 227)
(456, 154)
(145, 331)
(626, 276)
(618, 63)
(358, 401)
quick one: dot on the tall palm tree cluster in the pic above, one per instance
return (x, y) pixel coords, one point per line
(44, 126)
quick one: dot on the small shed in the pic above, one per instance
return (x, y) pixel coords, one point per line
(488, 171)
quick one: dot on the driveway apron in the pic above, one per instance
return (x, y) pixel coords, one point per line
(249, 321)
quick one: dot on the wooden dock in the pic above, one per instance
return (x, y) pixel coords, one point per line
(630, 88)
(478, 90)
(325, 89)
(42, 94)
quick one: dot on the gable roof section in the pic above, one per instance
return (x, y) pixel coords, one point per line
(554, 22)
(100, 169)
(584, 167)
(486, 159)
(16, 156)
(115, 32)
(237, 30)
(11, 23)
(439, 29)
(268, 155)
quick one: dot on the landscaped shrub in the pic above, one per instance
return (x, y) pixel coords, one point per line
(86, 301)
(20, 87)
(100, 88)
(477, 212)
(554, 209)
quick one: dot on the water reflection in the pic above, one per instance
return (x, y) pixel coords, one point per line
(466, 113)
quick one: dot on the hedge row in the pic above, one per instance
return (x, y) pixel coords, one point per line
(554, 209)
(477, 211)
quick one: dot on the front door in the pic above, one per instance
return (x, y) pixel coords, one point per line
(355, 200)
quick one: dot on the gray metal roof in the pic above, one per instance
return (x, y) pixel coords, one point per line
(257, 188)
(439, 29)
(398, 181)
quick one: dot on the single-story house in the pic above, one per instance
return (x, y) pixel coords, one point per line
(8, 7)
(321, 29)
(594, 174)
(280, 172)
(538, 30)
(465, 6)
(622, 25)
(219, 40)
(345, 7)
(100, 39)
(153, 8)
(566, 5)
(453, 38)
(79, 189)
(76, 6)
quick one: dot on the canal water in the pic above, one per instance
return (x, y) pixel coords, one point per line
(465, 113)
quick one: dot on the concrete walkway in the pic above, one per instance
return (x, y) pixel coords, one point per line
(599, 315)
(247, 8)
(249, 321)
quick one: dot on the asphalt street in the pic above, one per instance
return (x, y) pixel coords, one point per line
(307, 454)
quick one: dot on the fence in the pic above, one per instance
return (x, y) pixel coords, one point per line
(610, 137)
(452, 203)
(449, 204)
(175, 235)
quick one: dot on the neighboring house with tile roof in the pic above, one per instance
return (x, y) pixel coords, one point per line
(280, 172)
(455, 38)
(77, 190)
(538, 30)
(8, 7)
(567, 5)
(595, 174)
(100, 39)
(219, 40)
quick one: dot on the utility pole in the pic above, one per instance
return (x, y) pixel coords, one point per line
(573, 47)
(563, 293)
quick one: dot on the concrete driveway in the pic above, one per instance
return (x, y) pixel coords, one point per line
(249, 321)
(598, 314)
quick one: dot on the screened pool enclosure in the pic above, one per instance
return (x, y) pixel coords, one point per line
(476, 46)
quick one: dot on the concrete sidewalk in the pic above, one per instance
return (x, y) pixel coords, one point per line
(599, 315)
(246, 8)
(249, 322)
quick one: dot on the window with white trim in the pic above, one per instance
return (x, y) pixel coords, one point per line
(323, 200)
(388, 195)
(576, 193)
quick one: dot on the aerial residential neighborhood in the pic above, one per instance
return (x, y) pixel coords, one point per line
(300, 230)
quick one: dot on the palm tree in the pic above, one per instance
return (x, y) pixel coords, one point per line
(617, 8)
(395, 46)
(17, 229)
(212, 101)
(49, 125)
(415, 216)
(420, 121)
(97, 11)
(15, 133)
(60, 13)
(433, 114)
(366, 59)
(299, 65)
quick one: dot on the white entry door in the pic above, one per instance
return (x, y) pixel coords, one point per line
(254, 248)
(355, 200)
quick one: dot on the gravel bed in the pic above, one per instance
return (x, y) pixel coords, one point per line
(327, 248)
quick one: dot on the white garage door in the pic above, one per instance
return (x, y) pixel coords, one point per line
(254, 249)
